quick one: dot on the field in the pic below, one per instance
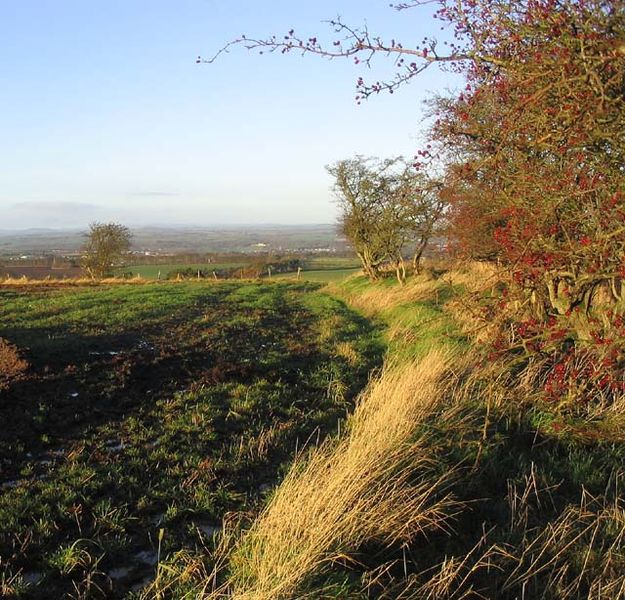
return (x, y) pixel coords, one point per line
(152, 271)
(318, 269)
(279, 440)
(320, 275)
(451, 479)
(326, 269)
(150, 412)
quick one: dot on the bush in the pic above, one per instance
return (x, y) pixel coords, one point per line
(12, 365)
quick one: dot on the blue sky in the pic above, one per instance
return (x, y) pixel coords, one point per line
(104, 114)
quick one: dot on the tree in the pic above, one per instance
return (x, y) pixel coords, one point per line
(423, 206)
(360, 189)
(386, 207)
(105, 248)
(541, 130)
(534, 149)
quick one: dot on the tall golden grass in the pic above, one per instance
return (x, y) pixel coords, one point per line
(76, 281)
(377, 483)
(376, 299)
(381, 483)
(577, 556)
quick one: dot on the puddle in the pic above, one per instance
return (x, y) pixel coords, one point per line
(144, 345)
(209, 529)
(32, 577)
(119, 573)
(114, 446)
(147, 557)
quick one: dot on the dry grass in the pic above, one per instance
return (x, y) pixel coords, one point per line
(376, 299)
(378, 483)
(576, 556)
(78, 281)
(347, 351)
(12, 365)
(579, 555)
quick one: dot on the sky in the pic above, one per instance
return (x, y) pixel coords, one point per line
(105, 115)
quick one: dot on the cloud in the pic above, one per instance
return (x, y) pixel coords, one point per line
(154, 194)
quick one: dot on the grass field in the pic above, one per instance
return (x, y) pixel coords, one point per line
(321, 275)
(152, 271)
(320, 269)
(326, 269)
(332, 262)
(151, 411)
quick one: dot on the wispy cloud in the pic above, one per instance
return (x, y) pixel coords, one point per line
(155, 193)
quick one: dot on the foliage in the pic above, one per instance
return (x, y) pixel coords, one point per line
(533, 152)
(385, 206)
(105, 248)
(11, 363)
(538, 138)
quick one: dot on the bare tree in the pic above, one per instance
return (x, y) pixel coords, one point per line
(360, 188)
(105, 248)
(386, 207)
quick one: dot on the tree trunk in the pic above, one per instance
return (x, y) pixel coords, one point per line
(416, 259)
(400, 270)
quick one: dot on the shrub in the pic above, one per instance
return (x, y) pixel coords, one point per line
(12, 364)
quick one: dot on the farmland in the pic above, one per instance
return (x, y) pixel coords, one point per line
(163, 271)
(149, 412)
(318, 269)
(322, 275)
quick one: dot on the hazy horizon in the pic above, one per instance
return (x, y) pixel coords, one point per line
(106, 116)
(164, 226)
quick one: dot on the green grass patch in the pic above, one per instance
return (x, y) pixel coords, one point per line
(321, 275)
(158, 407)
(413, 317)
(152, 271)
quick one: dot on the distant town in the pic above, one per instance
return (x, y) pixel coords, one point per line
(44, 253)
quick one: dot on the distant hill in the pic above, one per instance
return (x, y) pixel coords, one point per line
(175, 240)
